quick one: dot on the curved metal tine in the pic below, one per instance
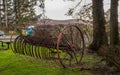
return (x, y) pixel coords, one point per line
(39, 50)
(18, 44)
(29, 49)
(35, 53)
(35, 50)
(49, 52)
(26, 48)
(22, 45)
(25, 51)
(32, 50)
(15, 44)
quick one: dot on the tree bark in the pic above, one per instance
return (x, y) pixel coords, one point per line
(0, 13)
(114, 33)
(6, 14)
(99, 33)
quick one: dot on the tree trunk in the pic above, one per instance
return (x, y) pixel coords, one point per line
(114, 33)
(99, 33)
(16, 11)
(0, 13)
(6, 14)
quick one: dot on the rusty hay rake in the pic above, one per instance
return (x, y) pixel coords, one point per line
(64, 43)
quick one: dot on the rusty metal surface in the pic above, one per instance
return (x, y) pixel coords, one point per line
(61, 40)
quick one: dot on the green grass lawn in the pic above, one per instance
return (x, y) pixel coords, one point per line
(15, 64)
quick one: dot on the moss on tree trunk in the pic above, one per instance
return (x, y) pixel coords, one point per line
(99, 33)
(114, 33)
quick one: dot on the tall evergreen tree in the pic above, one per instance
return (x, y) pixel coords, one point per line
(24, 9)
(0, 13)
(114, 33)
(6, 11)
(99, 34)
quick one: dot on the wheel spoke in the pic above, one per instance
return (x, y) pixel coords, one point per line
(72, 40)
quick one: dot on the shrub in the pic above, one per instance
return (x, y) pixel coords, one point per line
(111, 54)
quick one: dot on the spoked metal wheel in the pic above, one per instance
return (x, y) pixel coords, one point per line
(70, 46)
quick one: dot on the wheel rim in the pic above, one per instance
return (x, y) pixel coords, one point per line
(70, 46)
